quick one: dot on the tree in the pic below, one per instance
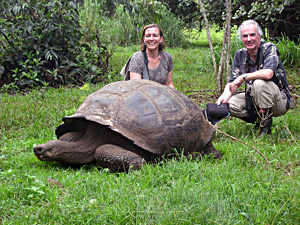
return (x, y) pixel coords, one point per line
(278, 17)
(225, 53)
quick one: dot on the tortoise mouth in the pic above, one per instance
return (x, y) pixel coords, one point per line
(43, 152)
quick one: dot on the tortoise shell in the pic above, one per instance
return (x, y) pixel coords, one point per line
(155, 117)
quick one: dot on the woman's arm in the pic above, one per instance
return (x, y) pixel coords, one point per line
(169, 81)
(134, 75)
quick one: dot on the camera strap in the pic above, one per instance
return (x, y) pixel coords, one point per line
(145, 74)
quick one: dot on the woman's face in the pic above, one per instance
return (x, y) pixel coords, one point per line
(152, 38)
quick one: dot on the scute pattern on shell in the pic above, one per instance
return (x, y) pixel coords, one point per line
(155, 117)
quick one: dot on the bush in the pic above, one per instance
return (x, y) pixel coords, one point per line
(118, 29)
(41, 44)
(146, 12)
(289, 52)
(125, 26)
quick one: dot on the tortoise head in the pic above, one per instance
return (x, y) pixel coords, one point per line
(72, 147)
(47, 151)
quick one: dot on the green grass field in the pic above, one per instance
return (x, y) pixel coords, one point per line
(242, 188)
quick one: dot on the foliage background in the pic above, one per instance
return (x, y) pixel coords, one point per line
(239, 189)
(62, 42)
(59, 42)
(278, 17)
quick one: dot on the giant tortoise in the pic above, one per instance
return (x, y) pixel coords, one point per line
(128, 123)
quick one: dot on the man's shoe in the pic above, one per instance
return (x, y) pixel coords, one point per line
(265, 127)
(264, 121)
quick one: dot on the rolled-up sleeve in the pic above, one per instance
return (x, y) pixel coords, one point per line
(271, 58)
(137, 63)
(235, 68)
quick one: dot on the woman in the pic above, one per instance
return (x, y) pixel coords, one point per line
(160, 63)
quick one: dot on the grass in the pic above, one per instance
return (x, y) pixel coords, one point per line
(239, 189)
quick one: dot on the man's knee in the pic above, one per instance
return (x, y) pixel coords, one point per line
(236, 108)
(263, 93)
(260, 86)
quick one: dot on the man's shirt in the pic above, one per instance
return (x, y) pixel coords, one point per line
(267, 57)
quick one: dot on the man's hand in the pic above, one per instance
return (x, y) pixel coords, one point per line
(231, 88)
(236, 83)
(228, 92)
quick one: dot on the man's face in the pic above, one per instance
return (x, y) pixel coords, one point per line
(250, 37)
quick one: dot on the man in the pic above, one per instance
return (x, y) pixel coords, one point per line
(260, 67)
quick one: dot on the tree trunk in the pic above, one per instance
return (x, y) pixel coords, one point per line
(208, 36)
(225, 54)
(228, 25)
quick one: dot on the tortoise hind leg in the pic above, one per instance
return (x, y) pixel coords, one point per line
(117, 158)
(210, 149)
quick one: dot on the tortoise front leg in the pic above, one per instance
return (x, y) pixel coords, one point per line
(117, 158)
(71, 137)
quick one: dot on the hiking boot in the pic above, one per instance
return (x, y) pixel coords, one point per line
(266, 127)
(264, 122)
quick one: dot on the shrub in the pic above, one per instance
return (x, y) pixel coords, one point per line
(41, 44)
(289, 52)
(124, 28)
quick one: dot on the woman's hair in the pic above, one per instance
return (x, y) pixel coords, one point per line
(162, 46)
(247, 22)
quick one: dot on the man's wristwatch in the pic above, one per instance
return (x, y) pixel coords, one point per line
(245, 76)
